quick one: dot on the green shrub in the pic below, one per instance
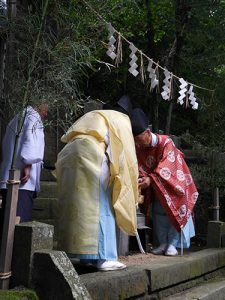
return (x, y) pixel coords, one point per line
(18, 295)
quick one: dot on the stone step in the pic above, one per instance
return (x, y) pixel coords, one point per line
(48, 189)
(46, 221)
(209, 290)
(158, 278)
(45, 208)
(46, 175)
(54, 223)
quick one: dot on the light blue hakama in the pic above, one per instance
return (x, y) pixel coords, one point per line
(166, 232)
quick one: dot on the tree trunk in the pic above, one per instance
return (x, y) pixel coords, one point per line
(172, 63)
(153, 103)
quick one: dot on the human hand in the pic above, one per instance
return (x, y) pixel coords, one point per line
(25, 174)
(144, 182)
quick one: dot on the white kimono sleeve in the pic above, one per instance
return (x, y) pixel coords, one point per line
(32, 150)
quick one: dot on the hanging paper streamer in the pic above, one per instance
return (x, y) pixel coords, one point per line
(152, 75)
(167, 85)
(186, 95)
(182, 91)
(111, 48)
(132, 63)
(192, 98)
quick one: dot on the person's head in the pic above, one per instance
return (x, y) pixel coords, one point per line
(42, 109)
(143, 139)
(140, 129)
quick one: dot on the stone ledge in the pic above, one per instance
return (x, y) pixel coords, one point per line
(48, 189)
(142, 280)
(45, 208)
(124, 284)
(181, 269)
(54, 277)
(209, 290)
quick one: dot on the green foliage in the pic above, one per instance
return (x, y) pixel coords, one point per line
(18, 295)
(202, 63)
(203, 41)
(61, 64)
(130, 19)
(71, 64)
(208, 171)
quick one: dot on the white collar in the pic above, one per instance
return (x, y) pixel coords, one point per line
(154, 139)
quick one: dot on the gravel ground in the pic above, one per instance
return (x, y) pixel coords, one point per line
(139, 258)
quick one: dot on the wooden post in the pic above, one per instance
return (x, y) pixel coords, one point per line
(8, 228)
(216, 205)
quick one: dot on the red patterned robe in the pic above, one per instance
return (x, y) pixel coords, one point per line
(171, 180)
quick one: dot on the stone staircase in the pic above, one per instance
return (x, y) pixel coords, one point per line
(45, 205)
(213, 289)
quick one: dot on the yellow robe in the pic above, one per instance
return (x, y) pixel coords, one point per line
(78, 171)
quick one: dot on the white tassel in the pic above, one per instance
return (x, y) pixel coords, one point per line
(139, 243)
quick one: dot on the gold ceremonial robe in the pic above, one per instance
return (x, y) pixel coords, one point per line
(78, 171)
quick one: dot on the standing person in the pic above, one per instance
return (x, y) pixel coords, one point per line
(29, 156)
(97, 176)
(166, 183)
